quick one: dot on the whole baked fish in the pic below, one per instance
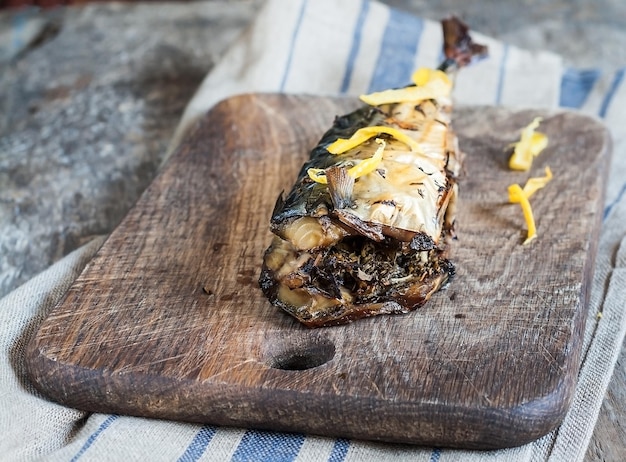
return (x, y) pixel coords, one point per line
(364, 229)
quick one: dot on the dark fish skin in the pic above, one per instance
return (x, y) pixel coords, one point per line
(306, 197)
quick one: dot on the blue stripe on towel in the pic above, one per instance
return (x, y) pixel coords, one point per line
(576, 86)
(340, 450)
(608, 208)
(198, 445)
(435, 455)
(19, 20)
(94, 436)
(268, 446)
(617, 80)
(356, 44)
(397, 53)
(292, 46)
(502, 73)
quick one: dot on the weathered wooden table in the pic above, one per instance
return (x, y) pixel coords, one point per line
(90, 99)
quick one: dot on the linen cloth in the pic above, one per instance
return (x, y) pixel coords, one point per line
(329, 47)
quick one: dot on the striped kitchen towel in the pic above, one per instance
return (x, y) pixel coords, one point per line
(299, 46)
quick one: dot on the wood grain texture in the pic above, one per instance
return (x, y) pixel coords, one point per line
(168, 321)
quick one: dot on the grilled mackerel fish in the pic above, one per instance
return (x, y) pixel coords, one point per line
(365, 228)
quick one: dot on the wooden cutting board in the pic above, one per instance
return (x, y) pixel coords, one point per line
(168, 321)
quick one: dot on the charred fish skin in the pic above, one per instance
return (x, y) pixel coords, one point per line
(306, 197)
(364, 231)
(378, 278)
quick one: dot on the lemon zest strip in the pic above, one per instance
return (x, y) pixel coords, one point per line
(318, 175)
(425, 76)
(361, 169)
(369, 165)
(516, 195)
(342, 145)
(529, 146)
(430, 84)
(522, 196)
(535, 184)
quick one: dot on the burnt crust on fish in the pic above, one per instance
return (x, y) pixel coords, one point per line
(386, 277)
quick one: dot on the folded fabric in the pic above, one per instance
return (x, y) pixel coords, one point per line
(362, 46)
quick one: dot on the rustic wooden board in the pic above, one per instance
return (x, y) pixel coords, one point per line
(167, 321)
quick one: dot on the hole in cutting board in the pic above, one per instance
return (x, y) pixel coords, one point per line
(300, 355)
